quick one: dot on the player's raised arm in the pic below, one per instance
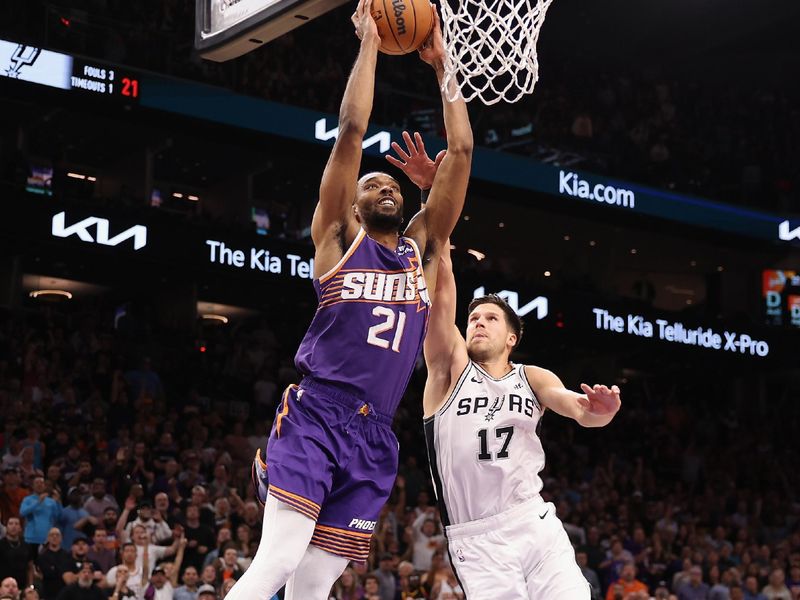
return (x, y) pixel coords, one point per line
(450, 185)
(596, 407)
(444, 346)
(339, 180)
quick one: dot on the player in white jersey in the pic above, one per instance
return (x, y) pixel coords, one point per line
(481, 418)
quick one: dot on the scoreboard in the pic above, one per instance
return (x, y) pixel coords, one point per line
(67, 72)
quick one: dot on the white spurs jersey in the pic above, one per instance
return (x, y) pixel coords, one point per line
(484, 450)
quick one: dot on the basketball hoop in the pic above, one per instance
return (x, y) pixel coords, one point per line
(491, 46)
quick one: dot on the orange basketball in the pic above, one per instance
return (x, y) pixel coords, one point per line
(402, 24)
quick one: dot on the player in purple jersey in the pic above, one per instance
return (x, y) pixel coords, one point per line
(331, 459)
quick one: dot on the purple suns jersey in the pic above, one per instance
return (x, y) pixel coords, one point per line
(370, 323)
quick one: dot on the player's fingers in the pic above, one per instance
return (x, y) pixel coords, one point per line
(586, 389)
(615, 389)
(420, 143)
(439, 158)
(584, 402)
(392, 160)
(409, 143)
(400, 152)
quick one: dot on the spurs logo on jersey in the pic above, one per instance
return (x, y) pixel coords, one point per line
(485, 438)
(405, 286)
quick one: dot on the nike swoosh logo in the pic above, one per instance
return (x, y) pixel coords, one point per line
(476, 380)
(544, 515)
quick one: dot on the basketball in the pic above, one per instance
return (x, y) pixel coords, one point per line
(402, 24)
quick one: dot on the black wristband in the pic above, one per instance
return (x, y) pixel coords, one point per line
(424, 196)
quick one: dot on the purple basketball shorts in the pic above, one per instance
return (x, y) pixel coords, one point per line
(332, 458)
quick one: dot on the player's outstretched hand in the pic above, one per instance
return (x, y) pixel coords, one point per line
(415, 162)
(364, 23)
(600, 400)
(432, 49)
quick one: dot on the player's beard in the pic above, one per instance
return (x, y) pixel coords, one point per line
(480, 353)
(383, 222)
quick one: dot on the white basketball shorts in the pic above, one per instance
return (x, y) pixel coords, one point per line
(520, 554)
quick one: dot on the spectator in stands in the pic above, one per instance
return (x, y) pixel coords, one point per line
(348, 586)
(793, 581)
(372, 588)
(776, 588)
(721, 589)
(616, 558)
(627, 581)
(447, 586)
(410, 584)
(426, 538)
(200, 537)
(128, 570)
(223, 538)
(102, 551)
(244, 545)
(694, 589)
(121, 591)
(30, 593)
(79, 558)
(147, 554)
(146, 517)
(11, 494)
(100, 501)
(386, 578)
(160, 587)
(751, 589)
(84, 588)
(188, 591)
(228, 566)
(74, 517)
(14, 553)
(206, 592)
(38, 447)
(53, 562)
(9, 587)
(594, 581)
(208, 576)
(41, 513)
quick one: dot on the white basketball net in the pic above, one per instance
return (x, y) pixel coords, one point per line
(491, 46)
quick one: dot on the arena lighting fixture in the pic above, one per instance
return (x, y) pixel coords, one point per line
(192, 198)
(634, 251)
(177, 195)
(501, 225)
(76, 175)
(566, 238)
(466, 217)
(51, 294)
(476, 254)
(592, 243)
(547, 273)
(215, 317)
(720, 269)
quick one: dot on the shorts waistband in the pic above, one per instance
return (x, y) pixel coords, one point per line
(479, 526)
(345, 400)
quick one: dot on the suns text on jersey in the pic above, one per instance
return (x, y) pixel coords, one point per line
(407, 286)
